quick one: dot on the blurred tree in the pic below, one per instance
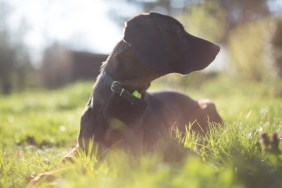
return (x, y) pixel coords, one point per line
(243, 11)
(14, 59)
(207, 20)
(277, 46)
(250, 50)
(6, 53)
(123, 10)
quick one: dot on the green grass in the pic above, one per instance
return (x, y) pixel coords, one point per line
(37, 128)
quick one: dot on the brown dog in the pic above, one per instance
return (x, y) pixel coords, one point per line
(120, 110)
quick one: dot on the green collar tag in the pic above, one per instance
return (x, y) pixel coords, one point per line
(137, 94)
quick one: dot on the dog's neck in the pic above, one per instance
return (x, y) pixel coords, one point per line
(123, 66)
(119, 70)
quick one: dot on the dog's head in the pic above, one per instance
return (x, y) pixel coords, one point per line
(162, 43)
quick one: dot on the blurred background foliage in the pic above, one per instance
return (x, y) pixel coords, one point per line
(249, 33)
(250, 50)
(207, 20)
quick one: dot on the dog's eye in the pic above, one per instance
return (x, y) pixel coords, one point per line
(178, 30)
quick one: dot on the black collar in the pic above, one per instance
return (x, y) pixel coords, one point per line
(117, 88)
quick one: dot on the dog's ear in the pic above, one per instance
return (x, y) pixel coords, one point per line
(144, 35)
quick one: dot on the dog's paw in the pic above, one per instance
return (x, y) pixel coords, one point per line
(49, 176)
(71, 155)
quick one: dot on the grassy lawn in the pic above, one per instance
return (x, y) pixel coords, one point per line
(37, 128)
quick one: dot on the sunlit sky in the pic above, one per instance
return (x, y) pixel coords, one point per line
(82, 25)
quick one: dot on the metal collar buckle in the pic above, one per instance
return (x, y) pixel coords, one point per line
(117, 88)
(114, 84)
